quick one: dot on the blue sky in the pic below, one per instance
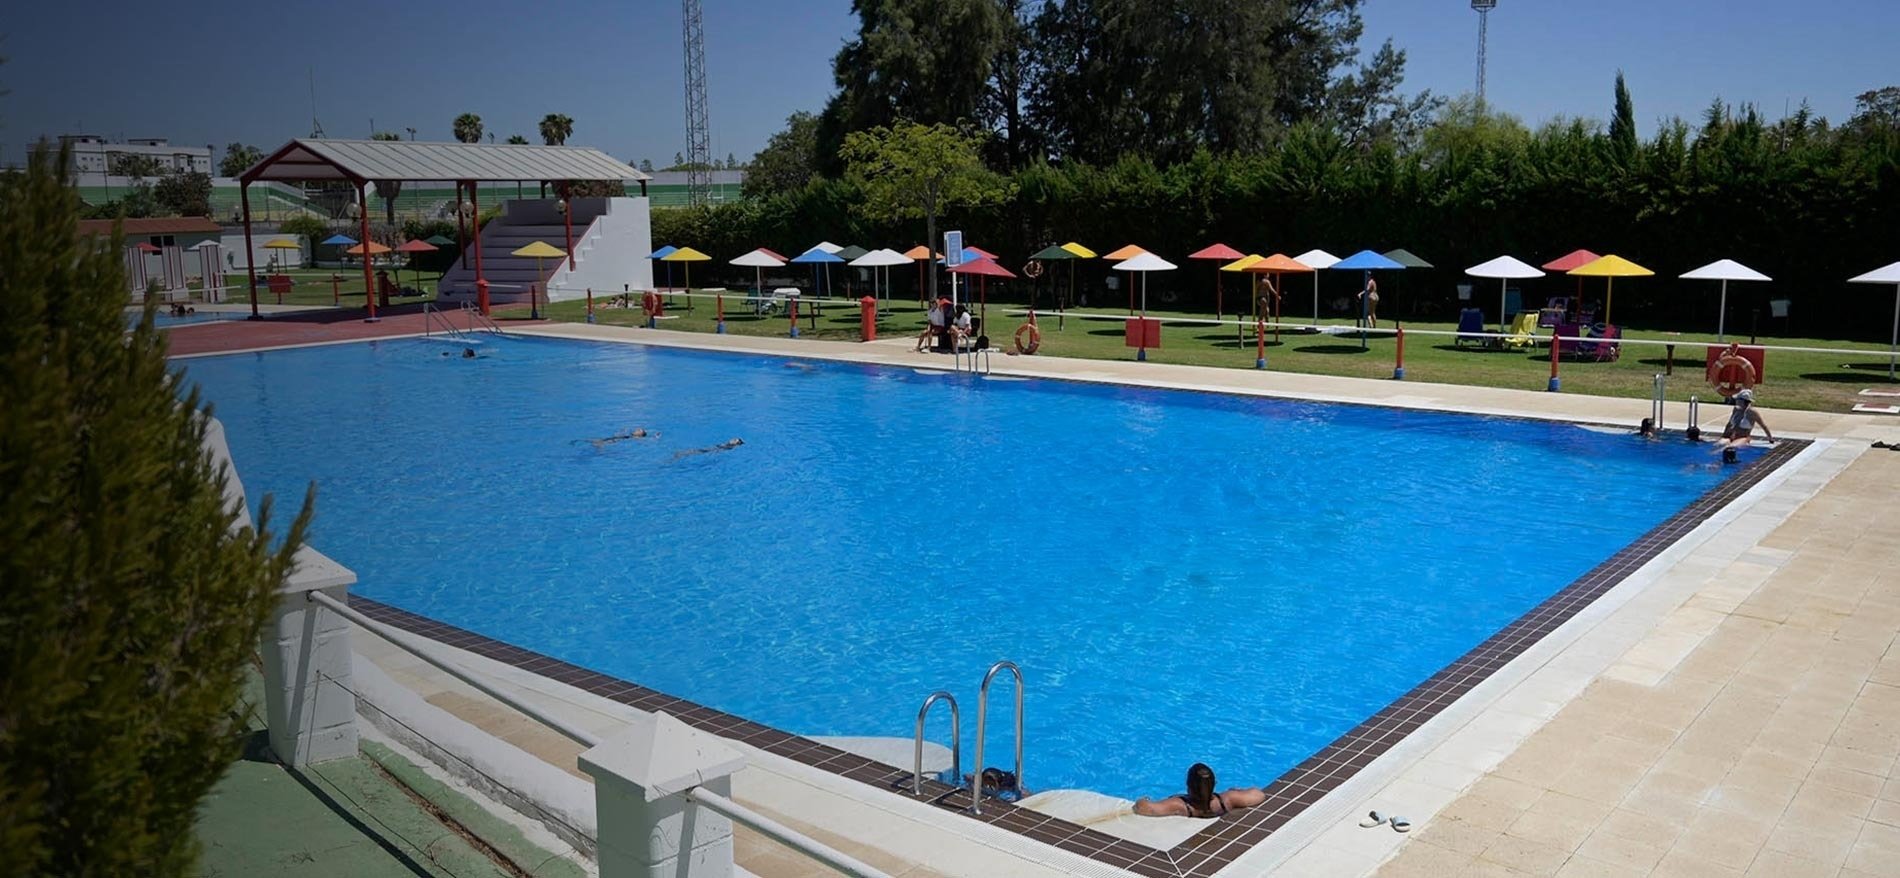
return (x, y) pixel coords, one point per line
(238, 71)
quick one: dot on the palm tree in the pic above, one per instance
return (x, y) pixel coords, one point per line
(468, 128)
(387, 190)
(517, 140)
(555, 129)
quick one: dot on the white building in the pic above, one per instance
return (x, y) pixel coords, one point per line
(93, 155)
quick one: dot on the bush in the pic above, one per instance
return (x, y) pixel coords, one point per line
(128, 604)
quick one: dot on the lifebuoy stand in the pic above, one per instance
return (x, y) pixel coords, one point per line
(867, 318)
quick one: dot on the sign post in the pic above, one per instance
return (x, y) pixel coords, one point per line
(953, 257)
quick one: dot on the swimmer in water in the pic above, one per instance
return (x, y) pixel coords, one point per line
(1648, 429)
(468, 353)
(635, 433)
(727, 445)
(802, 367)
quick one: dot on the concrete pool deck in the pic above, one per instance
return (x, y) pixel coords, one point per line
(1642, 633)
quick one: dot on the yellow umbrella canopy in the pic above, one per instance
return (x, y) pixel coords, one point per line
(687, 255)
(540, 250)
(1610, 268)
(282, 244)
(1080, 251)
(1243, 263)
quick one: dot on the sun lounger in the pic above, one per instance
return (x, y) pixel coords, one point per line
(1524, 331)
(1471, 329)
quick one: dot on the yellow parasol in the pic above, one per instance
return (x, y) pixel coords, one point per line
(539, 250)
(281, 244)
(1610, 268)
(689, 256)
(1080, 251)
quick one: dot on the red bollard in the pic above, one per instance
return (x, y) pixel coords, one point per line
(1260, 343)
(719, 311)
(867, 318)
(792, 310)
(1555, 346)
(1398, 368)
(481, 293)
(590, 304)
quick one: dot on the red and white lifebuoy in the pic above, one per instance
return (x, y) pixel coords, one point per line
(1034, 338)
(1731, 373)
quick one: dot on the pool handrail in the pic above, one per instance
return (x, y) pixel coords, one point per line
(956, 741)
(423, 648)
(982, 715)
(431, 314)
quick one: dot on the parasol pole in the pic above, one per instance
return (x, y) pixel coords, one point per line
(1721, 317)
(1315, 298)
(1503, 285)
(1893, 347)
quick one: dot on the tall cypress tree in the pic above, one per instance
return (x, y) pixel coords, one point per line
(129, 604)
(1623, 125)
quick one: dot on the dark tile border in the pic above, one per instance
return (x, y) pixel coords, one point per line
(1225, 839)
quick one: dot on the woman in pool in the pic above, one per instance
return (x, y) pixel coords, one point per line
(1200, 800)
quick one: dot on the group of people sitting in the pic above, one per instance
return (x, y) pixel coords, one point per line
(946, 327)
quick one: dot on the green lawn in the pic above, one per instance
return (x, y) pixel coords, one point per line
(312, 287)
(1794, 380)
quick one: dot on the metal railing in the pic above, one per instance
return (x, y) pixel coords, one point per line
(477, 319)
(956, 741)
(422, 648)
(431, 314)
(982, 715)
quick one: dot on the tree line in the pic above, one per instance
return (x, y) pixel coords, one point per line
(1117, 121)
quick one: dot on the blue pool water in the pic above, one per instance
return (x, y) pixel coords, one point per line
(164, 320)
(1181, 576)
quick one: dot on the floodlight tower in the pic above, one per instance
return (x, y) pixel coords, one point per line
(1484, 8)
(698, 136)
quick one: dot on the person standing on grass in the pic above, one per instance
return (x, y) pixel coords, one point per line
(1370, 295)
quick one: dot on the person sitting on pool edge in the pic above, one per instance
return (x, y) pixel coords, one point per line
(1740, 429)
(1200, 800)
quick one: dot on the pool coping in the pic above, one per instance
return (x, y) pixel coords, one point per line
(1223, 841)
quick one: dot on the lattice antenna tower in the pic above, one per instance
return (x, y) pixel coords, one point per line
(1484, 8)
(316, 128)
(698, 128)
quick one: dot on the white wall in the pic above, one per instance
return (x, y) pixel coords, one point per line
(234, 253)
(616, 259)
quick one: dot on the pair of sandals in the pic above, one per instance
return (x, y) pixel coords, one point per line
(1398, 824)
(1894, 446)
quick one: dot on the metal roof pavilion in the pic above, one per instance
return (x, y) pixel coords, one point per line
(360, 161)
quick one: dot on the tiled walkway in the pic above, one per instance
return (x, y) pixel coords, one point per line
(1766, 749)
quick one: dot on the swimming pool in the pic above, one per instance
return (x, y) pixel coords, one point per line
(1182, 576)
(165, 320)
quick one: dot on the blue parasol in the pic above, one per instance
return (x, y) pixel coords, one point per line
(815, 256)
(662, 253)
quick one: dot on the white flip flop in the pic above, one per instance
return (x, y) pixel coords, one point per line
(1400, 824)
(1373, 818)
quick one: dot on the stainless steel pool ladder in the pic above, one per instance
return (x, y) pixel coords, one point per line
(982, 714)
(956, 741)
(1695, 412)
(477, 319)
(979, 359)
(1656, 402)
(431, 314)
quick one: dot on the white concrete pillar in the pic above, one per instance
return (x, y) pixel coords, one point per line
(647, 828)
(306, 649)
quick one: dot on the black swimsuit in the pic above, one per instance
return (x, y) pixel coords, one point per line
(1210, 815)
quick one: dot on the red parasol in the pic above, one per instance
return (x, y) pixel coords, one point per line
(984, 269)
(1223, 253)
(1574, 259)
(412, 247)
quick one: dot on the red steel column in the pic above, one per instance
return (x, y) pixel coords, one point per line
(250, 261)
(475, 228)
(369, 282)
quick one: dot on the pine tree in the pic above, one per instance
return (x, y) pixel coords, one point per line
(1623, 125)
(129, 603)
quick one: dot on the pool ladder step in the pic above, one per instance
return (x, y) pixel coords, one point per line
(956, 736)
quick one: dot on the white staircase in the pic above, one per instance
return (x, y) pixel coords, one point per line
(612, 237)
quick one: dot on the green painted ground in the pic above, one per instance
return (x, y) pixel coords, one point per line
(1820, 382)
(348, 818)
